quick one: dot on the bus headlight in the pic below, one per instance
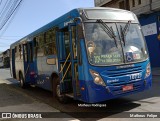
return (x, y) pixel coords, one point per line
(148, 70)
(97, 78)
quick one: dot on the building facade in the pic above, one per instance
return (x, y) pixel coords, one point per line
(148, 12)
(4, 59)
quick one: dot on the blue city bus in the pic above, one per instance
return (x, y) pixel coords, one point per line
(88, 54)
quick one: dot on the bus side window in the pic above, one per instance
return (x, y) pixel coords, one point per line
(15, 52)
(20, 52)
(35, 44)
(50, 45)
(66, 42)
(31, 52)
(25, 53)
(79, 37)
(74, 42)
(40, 48)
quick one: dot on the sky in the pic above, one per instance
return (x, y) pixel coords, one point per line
(33, 14)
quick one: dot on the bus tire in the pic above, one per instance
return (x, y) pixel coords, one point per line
(21, 79)
(56, 92)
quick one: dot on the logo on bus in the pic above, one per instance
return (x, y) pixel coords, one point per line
(112, 81)
(68, 22)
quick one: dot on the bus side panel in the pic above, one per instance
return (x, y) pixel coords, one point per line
(38, 72)
(47, 71)
(19, 67)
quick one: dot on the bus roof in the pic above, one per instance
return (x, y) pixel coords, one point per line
(56, 23)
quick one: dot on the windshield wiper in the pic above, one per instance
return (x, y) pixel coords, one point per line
(108, 30)
(124, 31)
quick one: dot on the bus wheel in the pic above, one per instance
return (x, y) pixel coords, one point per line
(21, 79)
(56, 91)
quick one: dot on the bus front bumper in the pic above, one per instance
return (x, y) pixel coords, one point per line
(102, 93)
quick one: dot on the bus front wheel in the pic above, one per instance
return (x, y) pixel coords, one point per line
(56, 92)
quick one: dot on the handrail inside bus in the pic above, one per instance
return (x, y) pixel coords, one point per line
(65, 63)
(66, 71)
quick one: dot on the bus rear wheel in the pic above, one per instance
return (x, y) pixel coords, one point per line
(56, 92)
(21, 79)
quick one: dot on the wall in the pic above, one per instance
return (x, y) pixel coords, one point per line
(152, 41)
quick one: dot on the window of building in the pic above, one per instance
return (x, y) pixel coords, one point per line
(1, 59)
(133, 3)
(122, 5)
(127, 4)
(139, 2)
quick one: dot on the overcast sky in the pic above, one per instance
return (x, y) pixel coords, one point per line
(33, 14)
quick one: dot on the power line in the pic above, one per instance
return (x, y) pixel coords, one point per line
(8, 10)
(0, 2)
(10, 36)
(9, 22)
(10, 7)
(7, 39)
(4, 7)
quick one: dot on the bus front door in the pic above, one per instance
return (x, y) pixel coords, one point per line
(68, 62)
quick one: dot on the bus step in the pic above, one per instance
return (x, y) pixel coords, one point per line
(70, 95)
(32, 85)
(67, 80)
(78, 94)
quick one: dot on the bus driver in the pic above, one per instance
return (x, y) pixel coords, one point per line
(101, 43)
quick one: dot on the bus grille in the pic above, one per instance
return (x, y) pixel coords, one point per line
(124, 71)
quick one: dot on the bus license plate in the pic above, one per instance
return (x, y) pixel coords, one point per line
(127, 87)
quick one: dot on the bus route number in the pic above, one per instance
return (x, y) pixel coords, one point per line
(135, 76)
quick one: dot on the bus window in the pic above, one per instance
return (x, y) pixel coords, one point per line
(16, 53)
(31, 52)
(35, 47)
(25, 53)
(20, 52)
(66, 41)
(74, 42)
(40, 48)
(50, 45)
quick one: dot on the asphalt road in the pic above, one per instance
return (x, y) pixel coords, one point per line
(34, 99)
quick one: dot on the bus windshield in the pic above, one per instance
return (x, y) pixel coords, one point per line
(108, 47)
